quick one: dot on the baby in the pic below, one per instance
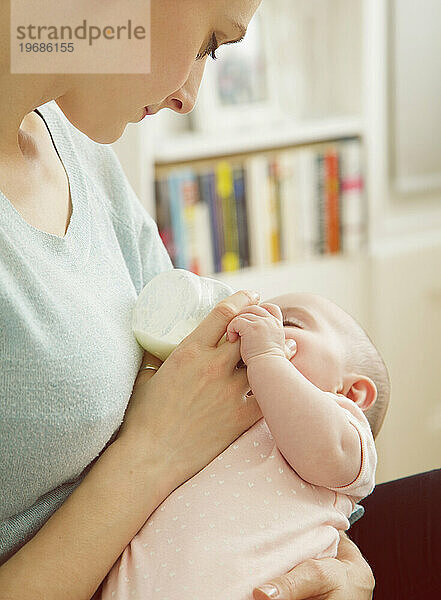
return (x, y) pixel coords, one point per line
(282, 491)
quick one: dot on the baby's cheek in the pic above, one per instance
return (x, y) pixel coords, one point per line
(307, 366)
(298, 363)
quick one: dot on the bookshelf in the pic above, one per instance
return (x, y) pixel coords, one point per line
(346, 91)
(195, 146)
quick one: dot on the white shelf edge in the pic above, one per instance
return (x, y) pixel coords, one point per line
(282, 268)
(198, 146)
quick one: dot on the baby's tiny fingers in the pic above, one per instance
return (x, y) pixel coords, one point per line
(255, 309)
(231, 336)
(238, 325)
(273, 309)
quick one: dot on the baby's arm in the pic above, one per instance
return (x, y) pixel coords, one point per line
(311, 430)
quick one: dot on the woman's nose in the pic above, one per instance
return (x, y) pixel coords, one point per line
(176, 105)
(181, 101)
(184, 99)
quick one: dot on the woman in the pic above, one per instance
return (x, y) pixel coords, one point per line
(76, 249)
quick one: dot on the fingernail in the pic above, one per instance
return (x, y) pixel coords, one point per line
(270, 590)
(291, 344)
(254, 295)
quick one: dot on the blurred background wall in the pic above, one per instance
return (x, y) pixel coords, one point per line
(312, 161)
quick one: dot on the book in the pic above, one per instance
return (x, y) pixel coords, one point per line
(256, 184)
(320, 241)
(332, 209)
(190, 200)
(163, 218)
(273, 210)
(177, 219)
(240, 198)
(353, 209)
(225, 191)
(204, 242)
(207, 185)
(308, 203)
(289, 199)
(263, 208)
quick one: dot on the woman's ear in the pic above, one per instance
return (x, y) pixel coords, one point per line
(361, 390)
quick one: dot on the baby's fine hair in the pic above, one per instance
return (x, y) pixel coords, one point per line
(364, 358)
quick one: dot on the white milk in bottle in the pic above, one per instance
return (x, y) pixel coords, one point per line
(171, 305)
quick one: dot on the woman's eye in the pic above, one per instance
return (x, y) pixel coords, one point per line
(210, 49)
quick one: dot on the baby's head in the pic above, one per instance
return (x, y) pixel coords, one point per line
(335, 353)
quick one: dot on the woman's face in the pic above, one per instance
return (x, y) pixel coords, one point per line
(101, 105)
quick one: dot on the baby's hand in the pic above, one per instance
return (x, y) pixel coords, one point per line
(260, 328)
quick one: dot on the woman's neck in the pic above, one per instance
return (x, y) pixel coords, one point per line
(20, 94)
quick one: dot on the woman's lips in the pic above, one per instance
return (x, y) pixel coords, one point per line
(146, 113)
(148, 110)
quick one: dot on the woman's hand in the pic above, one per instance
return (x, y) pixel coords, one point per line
(195, 405)
(346, 577)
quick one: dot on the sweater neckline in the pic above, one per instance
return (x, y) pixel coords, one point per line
(75, 244)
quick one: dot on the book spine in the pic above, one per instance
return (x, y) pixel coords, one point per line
(217, 201)
(307, 204)
(163, 220)
(274, 210)
(190, 198)
(332, 219)
(354, 218)
(241, 215)
(225, 191)
(257, 214)
(176, 212)
(207, 187)
(204, 239)
(321, 242)
(288, 213)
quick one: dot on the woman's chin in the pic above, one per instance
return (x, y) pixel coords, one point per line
(109, 136)
(93, 124)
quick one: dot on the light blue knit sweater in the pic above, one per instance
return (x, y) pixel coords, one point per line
(68, 358)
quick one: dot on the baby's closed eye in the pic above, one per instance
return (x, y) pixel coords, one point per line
(292, 323)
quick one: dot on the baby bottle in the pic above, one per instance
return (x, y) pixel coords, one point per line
(171, 305)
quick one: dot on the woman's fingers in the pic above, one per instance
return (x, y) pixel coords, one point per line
(230, 353)
(151, 359)
(213, 327)
(249, 407)
(314, 578)
(148, 359)
(241, 381)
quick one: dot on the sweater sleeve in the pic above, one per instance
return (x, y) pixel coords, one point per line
(153, 254)
(143, 249)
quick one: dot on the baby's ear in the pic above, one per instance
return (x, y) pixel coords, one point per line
(361, 390)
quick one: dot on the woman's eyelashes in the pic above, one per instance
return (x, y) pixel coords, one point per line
(210, 49)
